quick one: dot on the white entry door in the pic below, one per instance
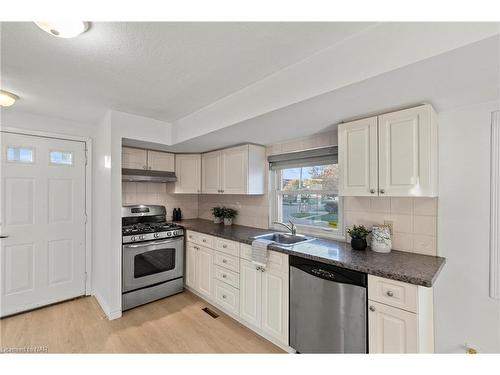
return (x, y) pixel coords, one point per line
(42, 215)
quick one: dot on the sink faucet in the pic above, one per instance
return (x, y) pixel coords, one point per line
(292, 228)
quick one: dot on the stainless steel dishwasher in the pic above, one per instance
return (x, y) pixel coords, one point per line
(327, 308)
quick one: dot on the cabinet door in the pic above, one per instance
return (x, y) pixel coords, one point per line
(250, 293)
(134, 158)
(391, 330)
(358, 158)
(275, 304)
(188, 172)
(210, 172)
(161, 161)
(408, 153)
(234, 170)
(204, 272)
(191, 252)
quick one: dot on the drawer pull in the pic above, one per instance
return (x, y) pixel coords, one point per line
(372, 308)
(224, 261)
(224, 276)
(204, 240)
(224, 296)
(390, 293)
(224, 246)
(196, 247)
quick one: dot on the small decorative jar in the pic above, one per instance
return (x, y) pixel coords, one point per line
(381, 239)
(228, 221)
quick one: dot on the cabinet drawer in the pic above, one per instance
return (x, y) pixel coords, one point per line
(227, 246)
(227, 261)
(227, 297)
(200, 239)
(228, 277)
(275, 261)
(392, 293)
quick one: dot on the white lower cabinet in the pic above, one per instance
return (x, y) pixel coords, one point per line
(227, 296)
(400, 317)
(204, 271)
(392, 330)
(264, 299)
(250, 293)
(199, 269)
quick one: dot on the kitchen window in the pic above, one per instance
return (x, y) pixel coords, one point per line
(304, 189)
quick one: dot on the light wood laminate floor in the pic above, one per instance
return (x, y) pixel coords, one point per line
(175, 324)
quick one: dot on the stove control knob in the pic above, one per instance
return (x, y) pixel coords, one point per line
(141, 237)
(156, 235)
(132, 238)
(169, 234)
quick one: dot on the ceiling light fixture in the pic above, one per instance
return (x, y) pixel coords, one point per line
(7, 98)
(63, 29)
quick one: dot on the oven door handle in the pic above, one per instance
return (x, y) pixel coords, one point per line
(145, 244)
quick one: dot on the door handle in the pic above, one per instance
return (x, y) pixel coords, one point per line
(4, 236)
(150, 244)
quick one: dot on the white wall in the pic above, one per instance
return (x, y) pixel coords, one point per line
(464, 312)
(108, 199)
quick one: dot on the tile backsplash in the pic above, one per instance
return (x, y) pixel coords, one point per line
(414, 220)
(162, 194)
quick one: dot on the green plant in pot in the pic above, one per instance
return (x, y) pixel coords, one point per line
(358, 235)
(228, 214)
(218, 214)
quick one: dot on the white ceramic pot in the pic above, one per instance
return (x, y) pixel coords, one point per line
(228, 221)
(381, 239)
(217, 220)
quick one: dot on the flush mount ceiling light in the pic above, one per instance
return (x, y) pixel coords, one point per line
(7, 98)
(63, 29)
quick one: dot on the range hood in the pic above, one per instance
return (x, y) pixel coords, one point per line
(142, 175)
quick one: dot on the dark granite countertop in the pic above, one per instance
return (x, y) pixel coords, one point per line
(397, 265)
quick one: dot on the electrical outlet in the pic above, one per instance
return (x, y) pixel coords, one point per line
(390, 224)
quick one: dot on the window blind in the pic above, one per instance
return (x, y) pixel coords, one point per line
(308, 158)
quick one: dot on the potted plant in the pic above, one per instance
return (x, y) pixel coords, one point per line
(228, 214)
(218, 214)
(358, 235)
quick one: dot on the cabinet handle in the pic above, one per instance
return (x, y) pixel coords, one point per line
(224, 261)
(372, 191)
(224, 246)
(196, 248)
(224, 276)
(204, 240)
(390, 293)
(224, 296)
(144, 167)
(150, 168)
(382, 191)
(372, 308)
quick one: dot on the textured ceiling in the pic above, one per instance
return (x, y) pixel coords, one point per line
(160, 70)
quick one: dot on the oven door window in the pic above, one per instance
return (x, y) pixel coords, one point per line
(154, 261)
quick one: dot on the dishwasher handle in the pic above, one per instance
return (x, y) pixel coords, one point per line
(329, 272)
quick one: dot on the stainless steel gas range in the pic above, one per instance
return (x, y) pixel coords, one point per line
(153, 255)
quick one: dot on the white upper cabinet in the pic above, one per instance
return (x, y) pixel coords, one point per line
(234, 176)
(161, 161)
(134, 158)
(211, 167)
(394, 154)
(235, 170)
(408, 152)
(188, 172)
(358, 144)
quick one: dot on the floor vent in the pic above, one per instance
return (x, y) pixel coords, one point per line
(213, 314)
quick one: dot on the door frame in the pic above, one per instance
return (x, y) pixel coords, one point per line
(87, 141)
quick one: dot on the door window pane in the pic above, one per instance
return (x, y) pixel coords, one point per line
(61, 157)
(154, 261)
(20, 154)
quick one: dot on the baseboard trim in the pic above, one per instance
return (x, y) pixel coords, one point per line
(111, 315)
